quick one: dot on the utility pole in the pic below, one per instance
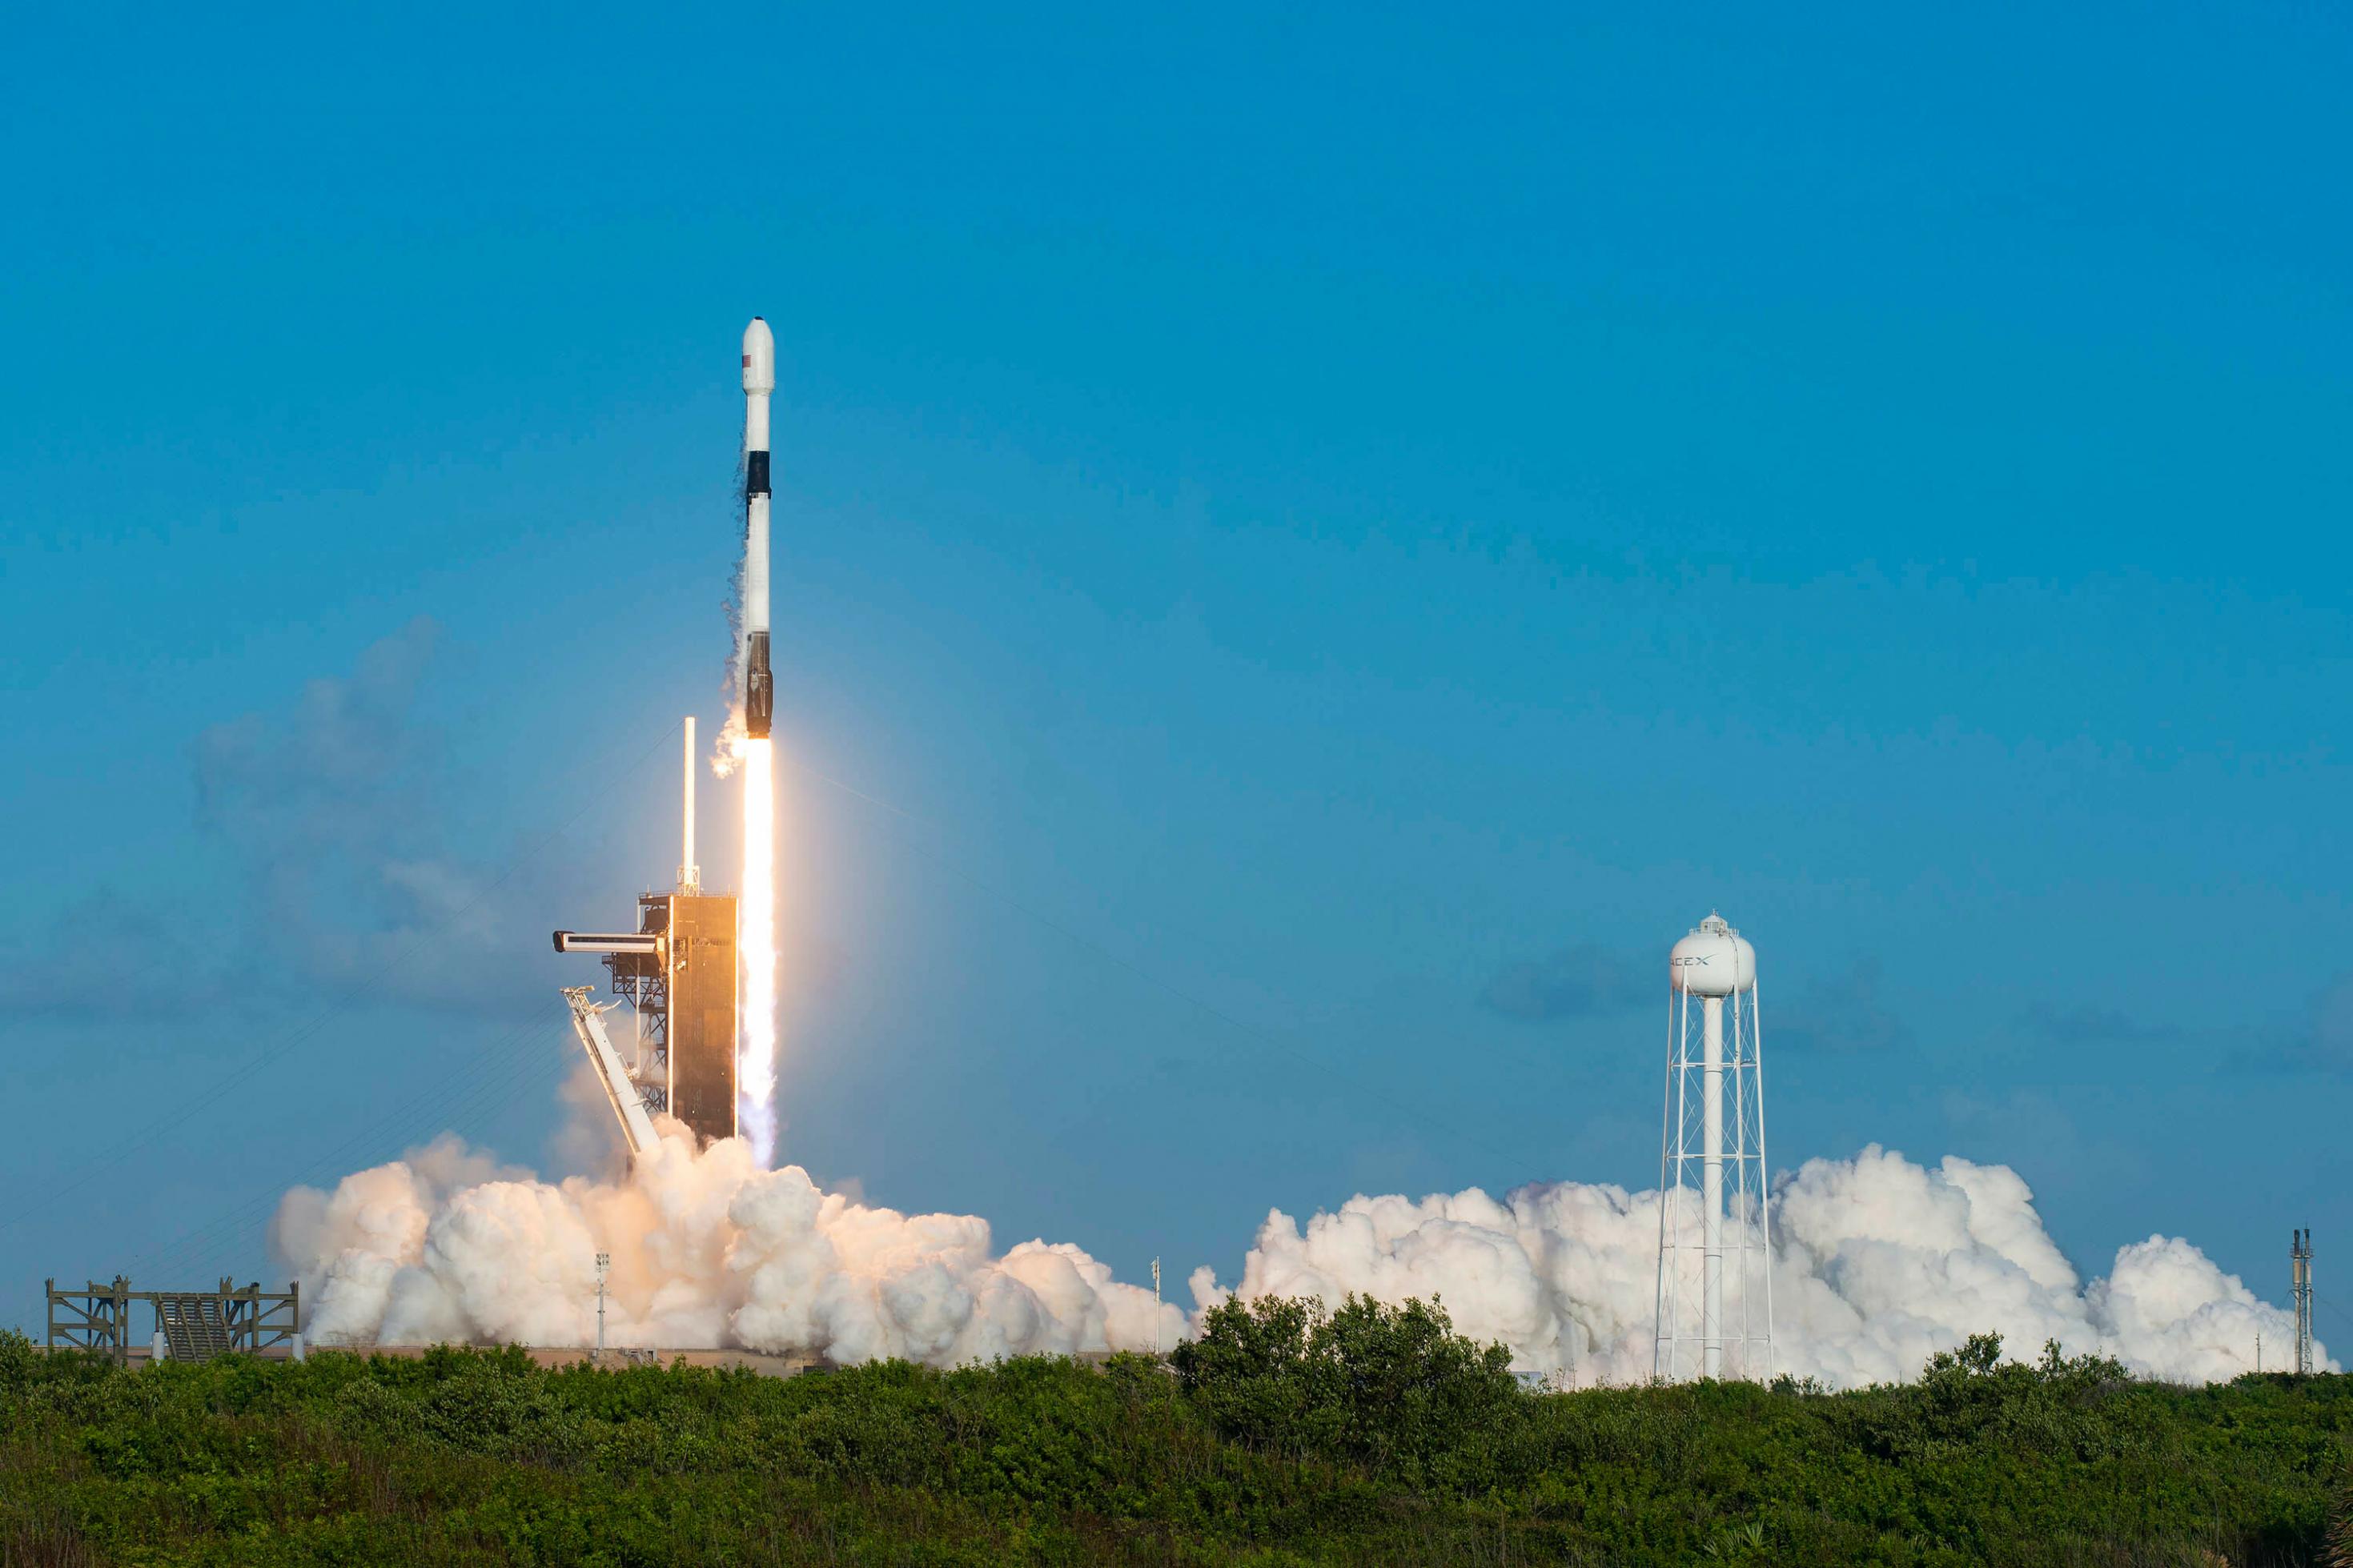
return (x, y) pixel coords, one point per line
(604, 1263)
(2300, 1256)
(1156, 1308)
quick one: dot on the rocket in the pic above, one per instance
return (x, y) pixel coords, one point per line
(759, 380)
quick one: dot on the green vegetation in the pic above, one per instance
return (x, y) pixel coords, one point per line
(1284, 1436)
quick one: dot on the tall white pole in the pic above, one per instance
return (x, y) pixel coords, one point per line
(1712, 1191)
(1671, 1175)
(690, 875)
(1737, 1153)
(1680, 1196)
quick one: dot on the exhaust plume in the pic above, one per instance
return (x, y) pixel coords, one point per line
(755, 1050)
(1878, 1263)
(708, 1250)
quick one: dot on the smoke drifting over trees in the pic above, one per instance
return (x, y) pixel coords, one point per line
(1879, 1264)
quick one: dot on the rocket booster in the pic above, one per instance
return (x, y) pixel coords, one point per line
(759, 381)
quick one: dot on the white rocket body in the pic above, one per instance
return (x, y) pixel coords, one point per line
(759, 381)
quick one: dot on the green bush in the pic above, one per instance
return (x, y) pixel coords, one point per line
(1393, 1389)
(1283, 1434)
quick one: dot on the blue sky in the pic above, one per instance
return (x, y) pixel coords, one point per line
(1310, 549)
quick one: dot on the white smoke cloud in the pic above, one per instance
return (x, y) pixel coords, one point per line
(1879, 1263)
(707, 1251)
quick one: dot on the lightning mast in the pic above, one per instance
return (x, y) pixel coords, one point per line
(690, 875)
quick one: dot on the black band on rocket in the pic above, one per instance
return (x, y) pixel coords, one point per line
(756, 473)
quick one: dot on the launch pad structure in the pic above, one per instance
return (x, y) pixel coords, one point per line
(189, 1325)
(679, 973)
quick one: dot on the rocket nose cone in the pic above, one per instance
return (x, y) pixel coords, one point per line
(759, 357)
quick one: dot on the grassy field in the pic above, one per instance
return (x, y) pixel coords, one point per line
(1285, 1435)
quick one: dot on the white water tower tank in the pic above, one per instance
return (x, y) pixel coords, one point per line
(1714, 961)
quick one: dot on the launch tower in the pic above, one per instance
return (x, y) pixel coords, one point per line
(677, 972)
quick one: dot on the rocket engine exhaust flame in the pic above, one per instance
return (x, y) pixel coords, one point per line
(756, 943)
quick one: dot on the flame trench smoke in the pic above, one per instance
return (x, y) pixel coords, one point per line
(756, 1046)
(1879, 1261)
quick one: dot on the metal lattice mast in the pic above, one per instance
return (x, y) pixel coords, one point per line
(2300, 1255)
(1714, 1296)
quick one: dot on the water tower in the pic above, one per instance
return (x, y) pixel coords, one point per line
(1716, 1285)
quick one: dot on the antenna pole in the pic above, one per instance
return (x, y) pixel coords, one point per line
(604, 1262)
(2300, 1278)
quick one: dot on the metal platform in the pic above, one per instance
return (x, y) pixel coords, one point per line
(194, 1325)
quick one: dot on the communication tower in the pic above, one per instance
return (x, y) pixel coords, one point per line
(2300, 1261)
(603, 1268)
(1715, 1280)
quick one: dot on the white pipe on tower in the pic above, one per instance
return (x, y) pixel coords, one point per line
(690, 875)
(1711, 1189)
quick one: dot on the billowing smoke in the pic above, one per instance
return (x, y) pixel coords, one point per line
(1880, 1263)
(708, 1250)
